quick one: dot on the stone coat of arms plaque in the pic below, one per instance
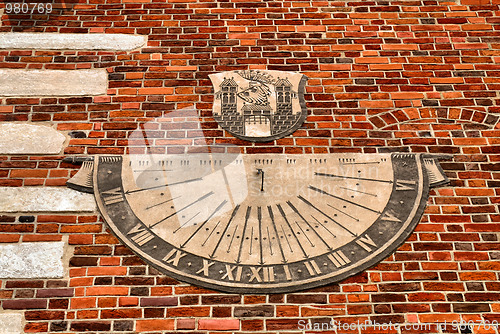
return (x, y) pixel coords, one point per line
(259, 106)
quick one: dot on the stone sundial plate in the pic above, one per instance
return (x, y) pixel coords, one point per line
(261, 223)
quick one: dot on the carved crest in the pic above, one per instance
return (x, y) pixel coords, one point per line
(258, 105)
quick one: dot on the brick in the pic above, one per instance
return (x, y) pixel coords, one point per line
(155, 325)
(199, 311)
(107, 291)
(159, 301)
(121, 313)
(21, 304)
(306, 299)
(254, 311)
(83, 326)
(471, 308)
(219, 324)
(46, 293)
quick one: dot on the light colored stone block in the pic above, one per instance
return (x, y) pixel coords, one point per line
(17, 138)
(20, 82)
(11, 323)
(32, 260)
(57, 41)
(45, 199)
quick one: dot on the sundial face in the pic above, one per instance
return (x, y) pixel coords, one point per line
(262, 223)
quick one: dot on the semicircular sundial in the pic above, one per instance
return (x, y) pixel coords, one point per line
(261, 223)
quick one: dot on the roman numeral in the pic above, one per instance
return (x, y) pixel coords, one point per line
(229, 273)
(112, 196)
(142, 235)
(288, 275)
(206, 265)
(365, 242)
(312, 267)
(403, 185)
(389, 216)
(339, 259)
(174, 256)
(267, 274)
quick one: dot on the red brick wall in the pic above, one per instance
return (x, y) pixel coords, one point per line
(414, 76)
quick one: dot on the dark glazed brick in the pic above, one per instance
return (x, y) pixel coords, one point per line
(87, 326)
(83, 261)
(471, 308)
(159, 301)
(46, 293)
(123, 326)
(306, 299)
(20, 304)
(26, 219)
(216, 300)
(139, 291)
(254, 311)
(400, 287)
(58, 326)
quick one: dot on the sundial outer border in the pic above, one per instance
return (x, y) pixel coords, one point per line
(243, 288)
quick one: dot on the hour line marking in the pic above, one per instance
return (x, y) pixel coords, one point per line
(210, 234)
(308, 224)
(187, 222)
(317, 221)
(342, 199)
(154, 205)
(203, 224)
(327, 216)
(225, 230)
(345, 213)
(185, 207)
(271, 215)
(269, 240)
(291, 229)
(163, 185)
(352, 177)
(286, 238)
(259, 218)
(232, 238)
(359, 191)
(365, 242)
(305, 235)
(251, 243)
(249, 209)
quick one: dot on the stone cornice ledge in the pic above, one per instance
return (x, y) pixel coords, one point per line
(58, 41)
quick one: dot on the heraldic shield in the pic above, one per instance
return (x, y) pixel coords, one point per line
(259, 105)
